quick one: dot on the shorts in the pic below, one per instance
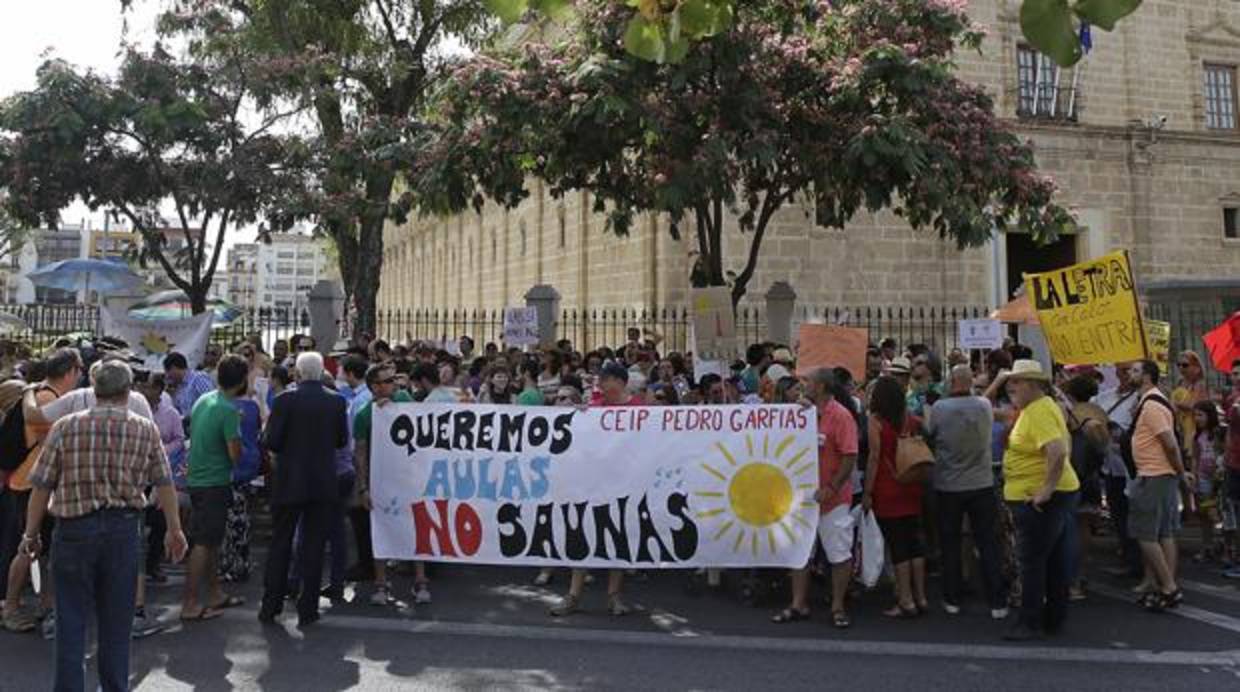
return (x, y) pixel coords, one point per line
(1205, 492)
(1154, 510)
(208, 515)
(835, 533)
(903, 539)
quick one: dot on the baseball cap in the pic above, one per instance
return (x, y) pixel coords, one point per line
(614, 369)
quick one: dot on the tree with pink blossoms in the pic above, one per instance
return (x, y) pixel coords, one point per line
(853, 105)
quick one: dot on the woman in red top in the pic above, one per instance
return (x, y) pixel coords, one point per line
(896, 505)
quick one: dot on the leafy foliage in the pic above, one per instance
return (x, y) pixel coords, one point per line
(662, 29)
(362, 70)
(13, 235)
(856, 105)
(1051, 25)
(163, 134)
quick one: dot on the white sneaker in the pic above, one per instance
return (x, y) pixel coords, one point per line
(381, 596)
(421, 594)
(998, 613)
(951, 608)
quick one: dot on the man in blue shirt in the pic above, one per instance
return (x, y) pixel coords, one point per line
(184, 385)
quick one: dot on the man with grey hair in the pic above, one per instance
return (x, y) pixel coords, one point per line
(97, 464)
(306, 427)
(959, 429)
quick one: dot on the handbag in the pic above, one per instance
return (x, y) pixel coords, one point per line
(914, 460)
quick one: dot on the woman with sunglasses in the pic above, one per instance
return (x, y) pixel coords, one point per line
(1185, 397)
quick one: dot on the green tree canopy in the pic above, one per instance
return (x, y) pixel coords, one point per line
(362, 69)
(163, 135)
(857, 107)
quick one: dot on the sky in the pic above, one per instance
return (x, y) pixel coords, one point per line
(87, 33)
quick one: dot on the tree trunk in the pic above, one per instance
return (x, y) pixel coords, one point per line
(366, 286)
(198, 299)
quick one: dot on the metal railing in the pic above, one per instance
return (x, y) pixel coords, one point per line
(935, 327)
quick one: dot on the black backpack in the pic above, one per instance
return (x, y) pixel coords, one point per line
(1087, 455)
(1125, 441)
(13, 449)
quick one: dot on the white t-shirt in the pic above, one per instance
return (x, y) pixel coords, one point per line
(84, 399)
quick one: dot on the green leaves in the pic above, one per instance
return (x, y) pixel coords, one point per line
(659, 34)
(1105, 13)
(644, 39)
(508, 11)
(1051, 25)
(1048, 26)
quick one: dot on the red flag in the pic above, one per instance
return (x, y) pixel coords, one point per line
(1223, 343)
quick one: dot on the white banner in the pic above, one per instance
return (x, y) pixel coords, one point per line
(688, 486)
(981, 334)
(151, 340)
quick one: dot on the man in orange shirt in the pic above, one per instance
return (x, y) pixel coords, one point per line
(64, 370)
(837, 455)
(1154, 514)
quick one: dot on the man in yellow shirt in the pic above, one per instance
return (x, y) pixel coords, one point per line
(1041, 490)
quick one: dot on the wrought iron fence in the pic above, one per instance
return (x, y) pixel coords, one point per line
(588, 329)
(44, 323)
(1189, 322)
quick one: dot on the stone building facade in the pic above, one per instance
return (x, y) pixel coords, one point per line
(1143, 138)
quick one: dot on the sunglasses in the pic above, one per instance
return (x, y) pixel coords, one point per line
(1185, 364)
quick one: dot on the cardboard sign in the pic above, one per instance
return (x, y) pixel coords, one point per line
(981, 334)
(521, 326)
(828, 346)
(1089, 311)
(1159, 334)
(650, 487)
(714, 324)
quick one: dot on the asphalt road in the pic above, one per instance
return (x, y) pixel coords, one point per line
(488, 629)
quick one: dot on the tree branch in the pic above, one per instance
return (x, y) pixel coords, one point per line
(771, 203)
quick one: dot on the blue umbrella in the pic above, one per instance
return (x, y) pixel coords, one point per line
(102, 276)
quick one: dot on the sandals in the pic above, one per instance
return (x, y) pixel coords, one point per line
(900, 612)
(18, 622)
(839, 620)
(616, 607)
(228, 602)
(787, 615)
(204, 614)
(1157, 602)
(570, 605)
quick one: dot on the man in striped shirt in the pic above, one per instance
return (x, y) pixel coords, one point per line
(97, 464)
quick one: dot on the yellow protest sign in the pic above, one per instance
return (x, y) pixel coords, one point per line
(1089, 311)
(1159, 334)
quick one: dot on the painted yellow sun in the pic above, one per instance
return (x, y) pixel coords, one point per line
(764, 492)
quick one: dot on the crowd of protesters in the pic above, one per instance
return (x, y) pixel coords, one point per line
(1029, 463)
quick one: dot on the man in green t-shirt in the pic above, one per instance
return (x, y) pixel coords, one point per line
(215, 445)
(381, 380)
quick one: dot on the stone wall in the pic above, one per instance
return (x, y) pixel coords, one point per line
(1157, 191)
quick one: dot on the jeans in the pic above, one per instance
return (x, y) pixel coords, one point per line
(982, 509)
(1117, 501)
(1044, 541)
(338, 533)
(95, 568)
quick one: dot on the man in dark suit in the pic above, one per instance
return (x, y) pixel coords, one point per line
(306, 427)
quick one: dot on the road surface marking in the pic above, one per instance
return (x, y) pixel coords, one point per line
(776, 644)
(1209, 617)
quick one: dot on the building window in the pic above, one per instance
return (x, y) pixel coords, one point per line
(563, 226)
(1038, 86)
(1220, 88)
(522, 226)
(1231, 227)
